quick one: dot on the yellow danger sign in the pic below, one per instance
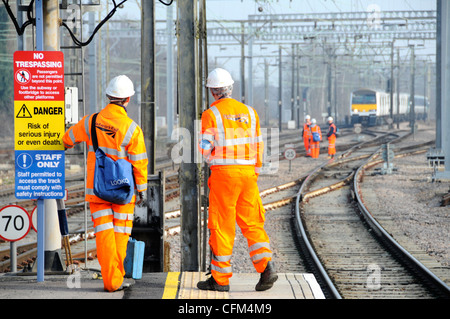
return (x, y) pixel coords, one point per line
(39, 125)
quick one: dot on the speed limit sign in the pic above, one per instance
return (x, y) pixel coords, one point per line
(290, 154)
(14, 223)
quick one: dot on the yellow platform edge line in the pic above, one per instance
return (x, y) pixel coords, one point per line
(171, 286)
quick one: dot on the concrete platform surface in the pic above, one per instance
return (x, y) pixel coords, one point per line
(82, 285)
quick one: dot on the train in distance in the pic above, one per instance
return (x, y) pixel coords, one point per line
(372, 107)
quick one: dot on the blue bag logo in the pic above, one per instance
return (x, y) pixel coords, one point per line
(113, 180)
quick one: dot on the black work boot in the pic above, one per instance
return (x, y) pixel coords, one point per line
(268, 277)
(211, 284)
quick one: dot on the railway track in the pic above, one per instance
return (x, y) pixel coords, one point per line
(280, 198)
(349, 251)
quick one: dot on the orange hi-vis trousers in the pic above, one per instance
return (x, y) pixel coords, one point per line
(307, 143)
(332, 145)
(234, 197)
(112, 224)
(315, 149)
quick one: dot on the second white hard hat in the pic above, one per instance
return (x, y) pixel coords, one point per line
(330, 119)
(120, 87)
(219, 78)
(313, 121)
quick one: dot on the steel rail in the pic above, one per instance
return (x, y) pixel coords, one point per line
(301, 232)
(383, 235)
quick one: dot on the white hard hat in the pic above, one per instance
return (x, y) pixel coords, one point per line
(330, 119)
(307, 117)
(120, 87)
(313, 121)
(219, 78)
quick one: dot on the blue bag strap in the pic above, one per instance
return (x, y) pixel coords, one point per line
(94, 132)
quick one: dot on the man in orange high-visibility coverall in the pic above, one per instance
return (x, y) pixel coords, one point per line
(232, 143)
(315, 144)
(306, 135)
(119, 137)
(331, 135)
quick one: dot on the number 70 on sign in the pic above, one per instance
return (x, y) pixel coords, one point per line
(14, 223)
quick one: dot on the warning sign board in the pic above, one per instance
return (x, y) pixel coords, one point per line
(39, 124)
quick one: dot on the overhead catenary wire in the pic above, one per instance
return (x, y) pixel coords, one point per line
(20, 29)
(108, 16)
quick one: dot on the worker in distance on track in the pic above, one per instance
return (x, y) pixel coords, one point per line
(331, 135)
(119, 137)
(315, 139)
(306, 135)
(232, 144)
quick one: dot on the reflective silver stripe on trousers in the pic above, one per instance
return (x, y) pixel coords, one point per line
(103, 227)
(221, 258)
(225, 270)
(122, 229)
(102, 213)
(258, 257)
(232, 161)
(258, 246)
(122, 216)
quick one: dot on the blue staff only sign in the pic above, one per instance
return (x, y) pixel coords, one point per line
(39, 124)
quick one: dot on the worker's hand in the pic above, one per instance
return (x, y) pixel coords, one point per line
(142, 199)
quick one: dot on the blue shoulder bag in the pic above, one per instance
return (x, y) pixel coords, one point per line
(113, 180)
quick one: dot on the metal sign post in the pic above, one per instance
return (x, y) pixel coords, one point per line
(39, 117)
(40, 202)
(289, 154)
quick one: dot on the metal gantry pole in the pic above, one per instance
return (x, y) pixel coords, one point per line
(280, 91)
(148, 108)
(243, 63)
(444, 71)
(439, 74)
(204, 98)
(391, 87)
(169, 62)
(188, 173)
(412, 119)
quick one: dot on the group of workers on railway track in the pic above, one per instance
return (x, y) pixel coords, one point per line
(312, 136)
(231, 143)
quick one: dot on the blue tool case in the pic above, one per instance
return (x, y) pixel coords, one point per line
(134, 260)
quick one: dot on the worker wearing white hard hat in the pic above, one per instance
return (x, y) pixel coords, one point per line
(220, 83)
(306, 135)
(120, 88)
(331, 136)
(232, 143)
(316, 139)
(119, 137)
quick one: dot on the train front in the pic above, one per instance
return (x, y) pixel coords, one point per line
(363, 107)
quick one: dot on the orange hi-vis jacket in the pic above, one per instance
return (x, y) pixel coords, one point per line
(234, 132)
(315, 148)
(119, 137)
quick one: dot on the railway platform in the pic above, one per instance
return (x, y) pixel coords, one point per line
(171, 285)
